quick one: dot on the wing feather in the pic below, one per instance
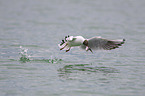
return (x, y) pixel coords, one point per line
(97, 43)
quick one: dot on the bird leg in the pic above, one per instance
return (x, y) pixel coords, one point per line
(88, 48)
(64, 46)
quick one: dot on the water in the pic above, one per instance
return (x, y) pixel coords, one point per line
(31, 63)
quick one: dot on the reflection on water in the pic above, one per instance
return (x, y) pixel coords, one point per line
(87, 68)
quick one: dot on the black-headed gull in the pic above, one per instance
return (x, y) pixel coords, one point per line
(94, 43)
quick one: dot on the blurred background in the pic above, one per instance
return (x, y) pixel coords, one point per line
(32, 64)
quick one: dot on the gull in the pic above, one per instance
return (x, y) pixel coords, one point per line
(94, 43)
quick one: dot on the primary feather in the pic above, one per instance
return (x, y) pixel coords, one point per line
(96, 43)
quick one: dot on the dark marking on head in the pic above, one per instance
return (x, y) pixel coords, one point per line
(85, 42)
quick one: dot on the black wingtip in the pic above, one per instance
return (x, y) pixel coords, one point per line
(123, 41)
(65, 38)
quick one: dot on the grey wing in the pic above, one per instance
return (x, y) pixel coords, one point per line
(100, 43)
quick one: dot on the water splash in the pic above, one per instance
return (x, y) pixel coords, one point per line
(25, 57)
(53, 61)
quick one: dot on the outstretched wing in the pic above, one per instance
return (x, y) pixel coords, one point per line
(100, 43)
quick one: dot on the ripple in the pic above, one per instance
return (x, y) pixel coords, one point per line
(87, 68)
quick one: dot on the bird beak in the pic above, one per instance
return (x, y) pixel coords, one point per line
(88, 48)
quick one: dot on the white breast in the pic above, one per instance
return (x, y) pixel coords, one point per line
(77, 42)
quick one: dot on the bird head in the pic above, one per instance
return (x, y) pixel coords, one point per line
(87, 47)
(85, 42)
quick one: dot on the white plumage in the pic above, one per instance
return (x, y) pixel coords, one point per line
(94, 43)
